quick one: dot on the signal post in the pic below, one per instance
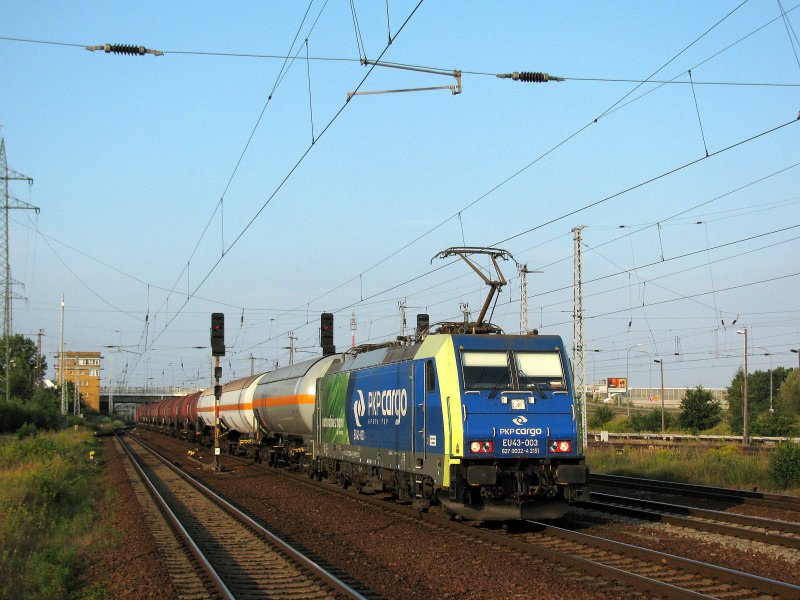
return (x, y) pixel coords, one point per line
(217, 350)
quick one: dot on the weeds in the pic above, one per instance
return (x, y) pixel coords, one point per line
(47, 489)
(725, 467)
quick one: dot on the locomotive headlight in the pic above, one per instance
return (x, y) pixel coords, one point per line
(560, 446)
(482, 447)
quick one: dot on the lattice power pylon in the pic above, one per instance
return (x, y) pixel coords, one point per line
(9, 202)
(578, 362)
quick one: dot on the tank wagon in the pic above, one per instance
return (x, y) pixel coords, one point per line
(480, 422)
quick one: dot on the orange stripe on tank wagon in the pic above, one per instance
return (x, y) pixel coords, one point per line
(284, 400)
(227, 407)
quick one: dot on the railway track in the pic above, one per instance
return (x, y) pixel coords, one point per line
(645, 572)
(724, 495)
(222, 552)
(656, 572)
(767, 531)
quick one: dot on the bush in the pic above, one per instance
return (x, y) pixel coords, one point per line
(74, 420)
(774, 425)
(27, 430)
(651, 421)
(784, 465)
(602, 415)
(14, 415)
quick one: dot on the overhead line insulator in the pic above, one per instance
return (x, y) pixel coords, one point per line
(125, 49)
(530, 77)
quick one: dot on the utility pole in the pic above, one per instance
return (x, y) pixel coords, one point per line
(353, 330)
(292, 338)
(401, 306)
(523, 299)
(745, 408)
(61, 381)
(9, 203)
(76, 402)
(111, 383)
(39, 355)
(660, 362)
(579, 364)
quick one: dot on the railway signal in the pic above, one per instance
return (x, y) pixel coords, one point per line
(217, 334)
(326, 334)
(217, 350)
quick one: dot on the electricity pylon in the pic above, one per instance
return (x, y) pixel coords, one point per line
(9, 202)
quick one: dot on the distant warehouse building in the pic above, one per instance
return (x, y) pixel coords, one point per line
(83, 370)
(619, 393)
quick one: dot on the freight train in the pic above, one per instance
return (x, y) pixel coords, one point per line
(462, 415)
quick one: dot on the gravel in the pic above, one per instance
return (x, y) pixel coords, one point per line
(398, 557)
(130, 552)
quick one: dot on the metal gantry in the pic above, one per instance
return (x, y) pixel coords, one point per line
(9, 203)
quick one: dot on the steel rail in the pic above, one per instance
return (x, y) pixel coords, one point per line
(701, 491)
(635, 580)
(724, 574)
(720, 522)
(705, 513)
(328, 578)
(172, 518)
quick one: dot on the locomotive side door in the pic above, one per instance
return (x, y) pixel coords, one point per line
(424, 384)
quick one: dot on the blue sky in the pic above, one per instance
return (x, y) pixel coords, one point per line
(145, 176)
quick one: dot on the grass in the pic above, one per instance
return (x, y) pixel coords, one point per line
(723, 467)
(48, 486)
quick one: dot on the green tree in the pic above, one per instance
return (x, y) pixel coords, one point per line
(699, 410)
(23, 374)
(758, 387)
(789, 395)
(602, 415)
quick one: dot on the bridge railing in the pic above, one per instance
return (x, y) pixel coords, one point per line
(146, 391)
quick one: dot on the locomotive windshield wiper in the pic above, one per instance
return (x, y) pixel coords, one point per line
(537, 389)
(523, 375)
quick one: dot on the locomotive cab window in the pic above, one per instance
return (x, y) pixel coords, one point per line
(430, 376)
(485, 370)
(540, 369)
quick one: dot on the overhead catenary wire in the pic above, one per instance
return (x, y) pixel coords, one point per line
(586, 207)
(790, 31)
(505, 181)
(187, 290)
(284, 180)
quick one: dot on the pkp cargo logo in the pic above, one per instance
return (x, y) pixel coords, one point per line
(520, 420)
(359, 407)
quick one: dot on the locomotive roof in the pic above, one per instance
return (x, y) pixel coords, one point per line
(395, 354)
(380, 356)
